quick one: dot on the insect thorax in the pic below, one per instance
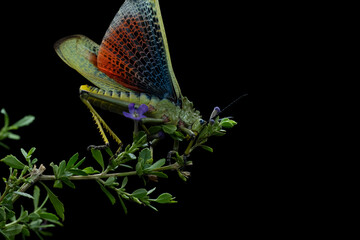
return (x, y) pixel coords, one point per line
(175, 114)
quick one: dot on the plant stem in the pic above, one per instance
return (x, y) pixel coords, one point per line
(35, 175)
(107, 175)
(7, 189)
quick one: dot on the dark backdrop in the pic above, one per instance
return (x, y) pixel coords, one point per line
(214, 51)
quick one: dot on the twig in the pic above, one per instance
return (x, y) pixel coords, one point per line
(34, 177)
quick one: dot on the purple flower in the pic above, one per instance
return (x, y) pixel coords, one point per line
(136, 113)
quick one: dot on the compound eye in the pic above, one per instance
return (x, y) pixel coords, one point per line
(202, 121)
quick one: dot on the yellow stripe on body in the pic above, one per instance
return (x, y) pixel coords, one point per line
(115, 101)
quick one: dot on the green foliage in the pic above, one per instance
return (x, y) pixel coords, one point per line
(112, 172)
(7, 130)
(38, 220)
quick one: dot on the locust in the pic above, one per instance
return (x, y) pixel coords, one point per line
(131, 68)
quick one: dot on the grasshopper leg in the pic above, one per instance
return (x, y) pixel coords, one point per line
(100, 123)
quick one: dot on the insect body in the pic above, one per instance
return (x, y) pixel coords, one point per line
(131, 65)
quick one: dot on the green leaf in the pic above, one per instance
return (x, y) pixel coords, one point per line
(154, 129)
(144, 155)
(2, 214)
(13, 162)
(6, 118)
(77, 172)
(58, 184)
(4, 145)
(165, 198)
(24, 121)
(13, 230)
(110, 181)
(169, 129)
(13, 136)
(124, 182)
(72, 161)
(49, 217)
(151, 191)
(79, 163)
(68, 182)
(122, 204)
(90, 170)
(36, 195)
(24, 194)
(31, 151)
(159, 174)
(207, 148)
(108, 194)
(139, 169)
(131, 156)
(139, 193)
(61, 170)
(58, 205)
(227, 123)
(157, 164)
(96, 153)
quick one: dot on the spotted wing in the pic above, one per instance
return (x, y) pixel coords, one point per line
(134, 51)
(80, 52)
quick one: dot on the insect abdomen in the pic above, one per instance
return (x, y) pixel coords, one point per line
(115, 101)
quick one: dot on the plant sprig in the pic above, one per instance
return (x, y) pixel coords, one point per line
(6, 132)
(111, 171)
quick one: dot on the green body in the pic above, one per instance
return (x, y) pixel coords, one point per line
(163, 110)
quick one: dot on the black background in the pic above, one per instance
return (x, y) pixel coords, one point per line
(214, 50)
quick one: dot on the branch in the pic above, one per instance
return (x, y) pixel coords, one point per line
(173, 166)
(34, 177)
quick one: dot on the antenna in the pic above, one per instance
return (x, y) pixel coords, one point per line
(217, 110)
(242, 96)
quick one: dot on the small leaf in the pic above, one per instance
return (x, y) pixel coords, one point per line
(77, 172)
(24, 121)
(122, 204)
(49, 216)
(139, 193)
(165, 198)
(6, 117)
(72, 161)
(4, 145)
(169, 129)
(154, 129)
(36, 195)
(124, 182)
(2, 214)
(144, 155)
(108, 194)
(151, 190)
(157, 164)
(207, 148)
(24, 153)
(31, 151)
(139, 169)
(61, 170)
(131, 156)
(24, 194)
(13, 230)
(58, 205)
(159, 174)
(90, 170)
(79, 163)
(68, 182)
(13, 162)
(110, 181)
(13, 136)
(98, 157)
(58, 184)
(227, 123)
